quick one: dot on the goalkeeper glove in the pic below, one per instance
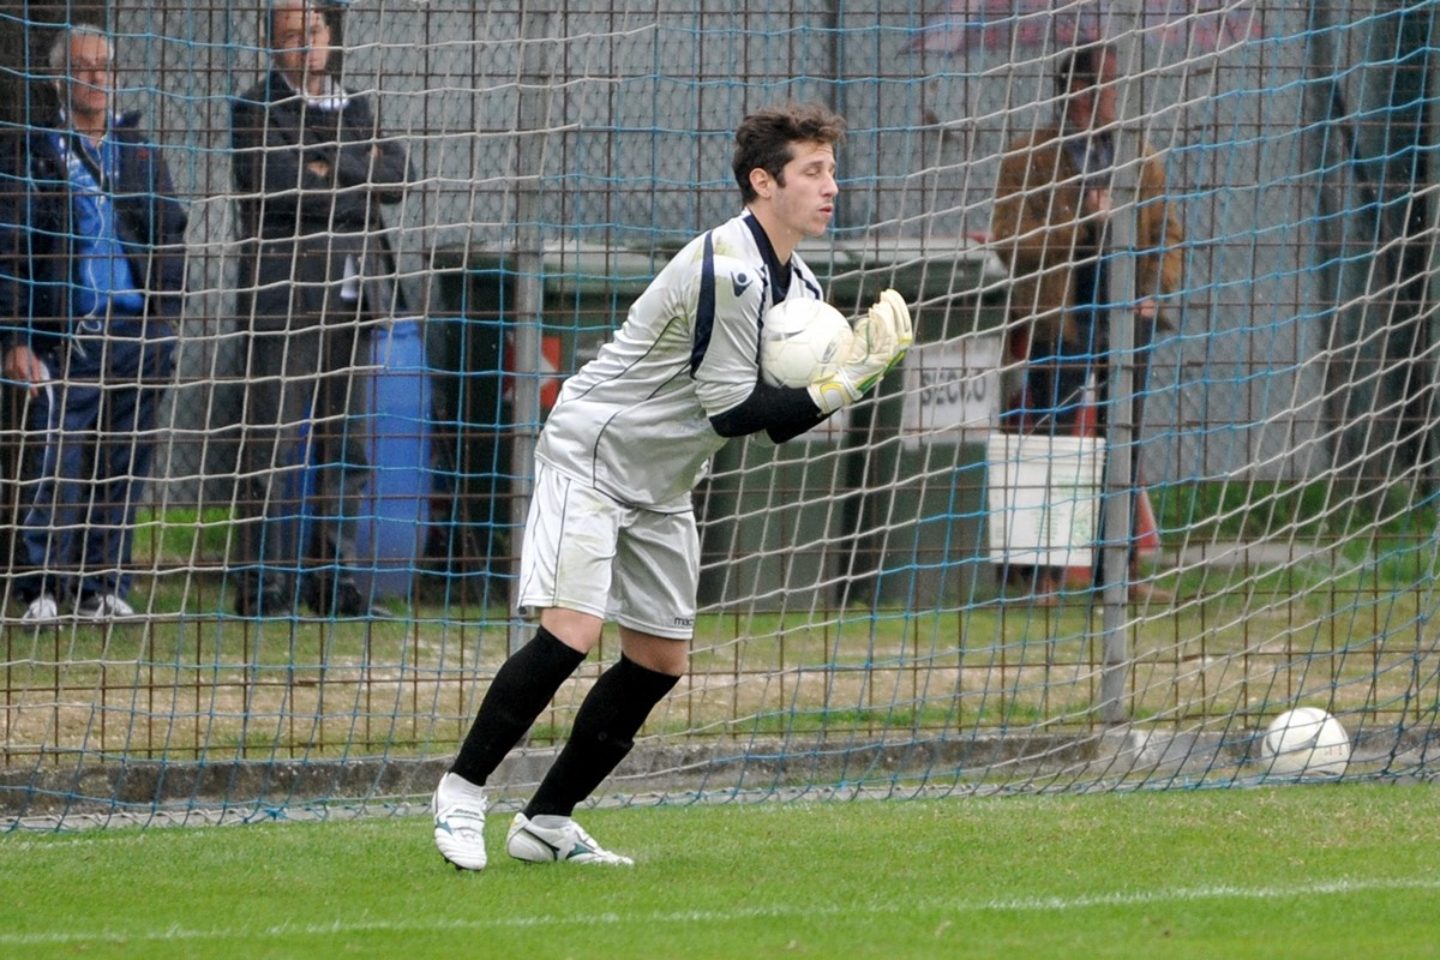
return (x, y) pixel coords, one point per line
(893, 304)
(874, 348)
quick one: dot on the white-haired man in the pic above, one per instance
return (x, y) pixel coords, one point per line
(92, 268)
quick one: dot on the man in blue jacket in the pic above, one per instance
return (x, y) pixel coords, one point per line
(92, 269)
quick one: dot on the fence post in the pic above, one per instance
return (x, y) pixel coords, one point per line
(531, 126)
(1120, 432)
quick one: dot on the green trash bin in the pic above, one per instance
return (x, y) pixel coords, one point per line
(585, 288)
(470, 434)
(918, 450)
(772, 523)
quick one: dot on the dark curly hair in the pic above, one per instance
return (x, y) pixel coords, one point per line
(1080, 68)
(764, 139)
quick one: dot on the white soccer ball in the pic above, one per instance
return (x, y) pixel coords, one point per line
(1306, 741)
(801, 340)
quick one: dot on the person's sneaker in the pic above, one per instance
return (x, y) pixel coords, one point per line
(269, 603)
(459, 809)
(43, 609)
(550, 839)
(103, 606)
(343, 599)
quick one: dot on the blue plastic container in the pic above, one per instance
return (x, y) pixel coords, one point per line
(395, 519)
(392, 515)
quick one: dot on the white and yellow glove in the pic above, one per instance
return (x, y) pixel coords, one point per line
(881, 338)
(892, 303)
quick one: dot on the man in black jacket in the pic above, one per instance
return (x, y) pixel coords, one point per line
(91, 277)
(311, 171)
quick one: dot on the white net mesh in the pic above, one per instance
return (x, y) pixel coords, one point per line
(900, 600)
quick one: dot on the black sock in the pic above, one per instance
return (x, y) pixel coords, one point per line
(522, 687)
(605, 728)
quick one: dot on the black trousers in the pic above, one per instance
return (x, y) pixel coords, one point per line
(303, 463)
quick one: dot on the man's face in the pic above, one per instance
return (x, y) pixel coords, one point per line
(1094, 107)
(301, 41)
(92, 76)
(803, 199)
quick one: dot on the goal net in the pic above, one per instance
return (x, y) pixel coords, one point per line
(1131, 496)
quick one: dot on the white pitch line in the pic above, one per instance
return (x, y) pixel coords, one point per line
(176, 932)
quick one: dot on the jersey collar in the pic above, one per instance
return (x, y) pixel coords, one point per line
(779, 272)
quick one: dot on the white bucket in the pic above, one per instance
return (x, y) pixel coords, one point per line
(1044, 499)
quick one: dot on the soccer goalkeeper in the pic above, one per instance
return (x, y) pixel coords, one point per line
(611, 532)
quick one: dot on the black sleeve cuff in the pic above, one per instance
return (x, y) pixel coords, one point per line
(782, 412)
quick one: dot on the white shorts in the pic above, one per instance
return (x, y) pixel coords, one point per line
(584, 551)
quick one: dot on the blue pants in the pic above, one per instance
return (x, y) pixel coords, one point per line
(97, 420)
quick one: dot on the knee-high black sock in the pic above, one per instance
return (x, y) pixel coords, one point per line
(522, 687)
(605, 728)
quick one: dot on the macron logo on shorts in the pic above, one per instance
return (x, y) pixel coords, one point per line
(684, 621)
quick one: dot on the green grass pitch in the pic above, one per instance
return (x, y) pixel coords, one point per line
(1309, 871)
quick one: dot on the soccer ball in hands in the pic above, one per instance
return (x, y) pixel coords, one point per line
(802, 340)
(1305, 741)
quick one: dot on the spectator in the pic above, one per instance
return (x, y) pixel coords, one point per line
(1052, 210)
(312, 170)
(92, 271)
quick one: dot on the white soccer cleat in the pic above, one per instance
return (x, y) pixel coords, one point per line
(459, 809)
(550, 839)
(43, 609)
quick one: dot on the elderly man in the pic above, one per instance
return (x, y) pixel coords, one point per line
(1052, 210)
(312, 170)
(91, 276)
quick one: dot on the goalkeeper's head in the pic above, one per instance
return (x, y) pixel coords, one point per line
(766, 139)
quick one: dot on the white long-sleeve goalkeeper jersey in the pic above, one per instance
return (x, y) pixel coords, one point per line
(634, 422)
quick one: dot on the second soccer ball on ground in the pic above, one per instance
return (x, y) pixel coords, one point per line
(1306, 741)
